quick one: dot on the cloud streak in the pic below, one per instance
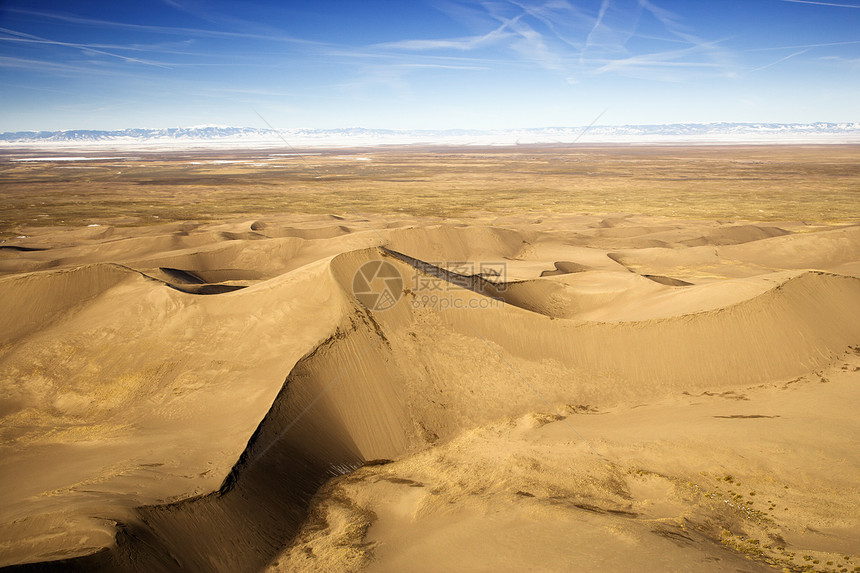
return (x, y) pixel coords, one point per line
(574, 42)
(435, 61)
(815, 45)
(21, 37)
(833, 4)
(39, 65)
(462, 44)
(166, 30)
(589, 40)
(779, 61)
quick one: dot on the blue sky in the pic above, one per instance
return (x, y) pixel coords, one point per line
(432, 64)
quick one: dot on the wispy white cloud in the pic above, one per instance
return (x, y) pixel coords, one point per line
(531, 44)
(673, 24)
(667, 59)
(420, 66)
(794, 47)
(40, 65)
(526, 39)
(571, 40)
(251, 91)
(207, 12)
(667, 18)
(800, 49)
(841, 61)
(36, 88)
(834, 4)
(779, 61)
(93, 61)
(468, 43)
(613, 26)
(511, 30)
(20, 37)
(562, 18)
(178, 47)
(589, 40)
(166, 30)
(395, 75)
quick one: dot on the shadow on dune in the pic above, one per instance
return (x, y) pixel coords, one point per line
(20, 249)
(298, 446)
(316, 428)
(360, 396)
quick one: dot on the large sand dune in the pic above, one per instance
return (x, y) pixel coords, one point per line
(548, 393)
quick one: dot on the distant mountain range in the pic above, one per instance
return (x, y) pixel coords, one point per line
(218, 136)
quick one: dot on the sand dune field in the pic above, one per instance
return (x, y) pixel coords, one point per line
(384, 389)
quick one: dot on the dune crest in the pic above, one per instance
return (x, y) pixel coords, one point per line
(283, 377)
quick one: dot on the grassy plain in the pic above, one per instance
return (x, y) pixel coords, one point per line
(766, 183)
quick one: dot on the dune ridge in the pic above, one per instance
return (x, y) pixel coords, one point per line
(32, 301)
(369, 386)
(366, 417)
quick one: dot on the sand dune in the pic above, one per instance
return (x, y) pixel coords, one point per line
(738, 234)
(31, 302)
(564, 268)
(448, 243)
(582, 377)
(829, 249)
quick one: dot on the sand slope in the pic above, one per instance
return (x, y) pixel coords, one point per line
(177, 401)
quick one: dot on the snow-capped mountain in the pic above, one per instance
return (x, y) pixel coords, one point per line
(202, 133)
(217, 136)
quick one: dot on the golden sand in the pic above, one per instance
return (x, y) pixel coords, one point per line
(522, 385)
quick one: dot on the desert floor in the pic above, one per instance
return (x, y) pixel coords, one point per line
(527, 359)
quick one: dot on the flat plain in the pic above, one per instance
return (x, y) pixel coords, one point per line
(463, 359)
(770, 183)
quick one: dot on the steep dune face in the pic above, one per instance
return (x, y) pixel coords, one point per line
(368, 393)
(228, 412)
(735, 235)
(825, 250)
(670, 485)
(779, 334)
(33, 301)
(336, 410)
(795, 327)
(231, 260)
(445, 244)
(142, 385)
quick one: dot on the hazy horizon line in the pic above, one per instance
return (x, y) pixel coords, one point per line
(432, 130)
